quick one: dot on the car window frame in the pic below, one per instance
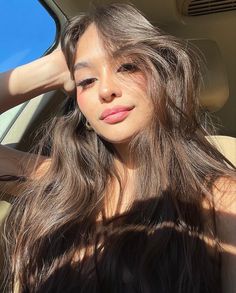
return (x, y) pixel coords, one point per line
(60, 19)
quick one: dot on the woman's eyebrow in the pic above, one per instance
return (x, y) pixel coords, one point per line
(80, 65)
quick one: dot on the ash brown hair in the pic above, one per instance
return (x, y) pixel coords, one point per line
(158, 244)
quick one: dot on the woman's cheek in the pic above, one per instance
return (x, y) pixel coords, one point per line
(80, 98)
(140, 81)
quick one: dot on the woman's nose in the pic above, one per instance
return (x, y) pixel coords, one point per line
(109, 89)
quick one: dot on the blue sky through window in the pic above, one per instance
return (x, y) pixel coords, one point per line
(27, 30)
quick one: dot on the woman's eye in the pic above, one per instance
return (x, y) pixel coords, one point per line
(86, 82)
(128, 67)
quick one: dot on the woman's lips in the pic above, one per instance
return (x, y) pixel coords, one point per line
(115, 114)
(117, 117)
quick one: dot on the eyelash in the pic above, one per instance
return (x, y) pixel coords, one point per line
(86, 82)
(127, 67)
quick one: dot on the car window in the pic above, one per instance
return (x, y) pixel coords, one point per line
(27, 31)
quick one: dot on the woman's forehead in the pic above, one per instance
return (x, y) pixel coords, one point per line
(90, 45)
(89, 39)
(92, 49)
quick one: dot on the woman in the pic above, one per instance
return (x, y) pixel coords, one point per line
(132, 197)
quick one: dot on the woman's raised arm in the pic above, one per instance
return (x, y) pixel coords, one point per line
(27, 81)
(19, 85)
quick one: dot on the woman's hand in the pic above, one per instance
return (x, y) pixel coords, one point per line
(21, 84)
(60, 69)
(27, 81)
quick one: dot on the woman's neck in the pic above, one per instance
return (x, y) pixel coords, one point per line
(124, 159)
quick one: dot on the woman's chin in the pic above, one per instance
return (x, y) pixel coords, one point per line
(117, 139)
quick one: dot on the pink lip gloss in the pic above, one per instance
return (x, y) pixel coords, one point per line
(116, 117)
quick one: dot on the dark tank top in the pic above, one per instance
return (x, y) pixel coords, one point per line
(143, 253)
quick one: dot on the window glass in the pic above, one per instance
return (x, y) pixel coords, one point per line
(27, 30)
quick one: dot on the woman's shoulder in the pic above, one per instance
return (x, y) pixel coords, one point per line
(40, 168)
(224, 192)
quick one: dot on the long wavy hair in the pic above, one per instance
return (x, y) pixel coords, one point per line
(55, 242)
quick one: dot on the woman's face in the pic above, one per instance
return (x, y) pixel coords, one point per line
(110, 93)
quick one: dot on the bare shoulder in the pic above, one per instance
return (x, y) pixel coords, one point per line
(37, 166)
(224, 192)
(225, 204)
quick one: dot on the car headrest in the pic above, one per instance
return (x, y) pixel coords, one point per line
(215, 88)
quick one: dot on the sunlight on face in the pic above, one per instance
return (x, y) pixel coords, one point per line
(111, 95)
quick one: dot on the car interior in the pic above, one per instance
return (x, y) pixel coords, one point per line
(208, 24)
